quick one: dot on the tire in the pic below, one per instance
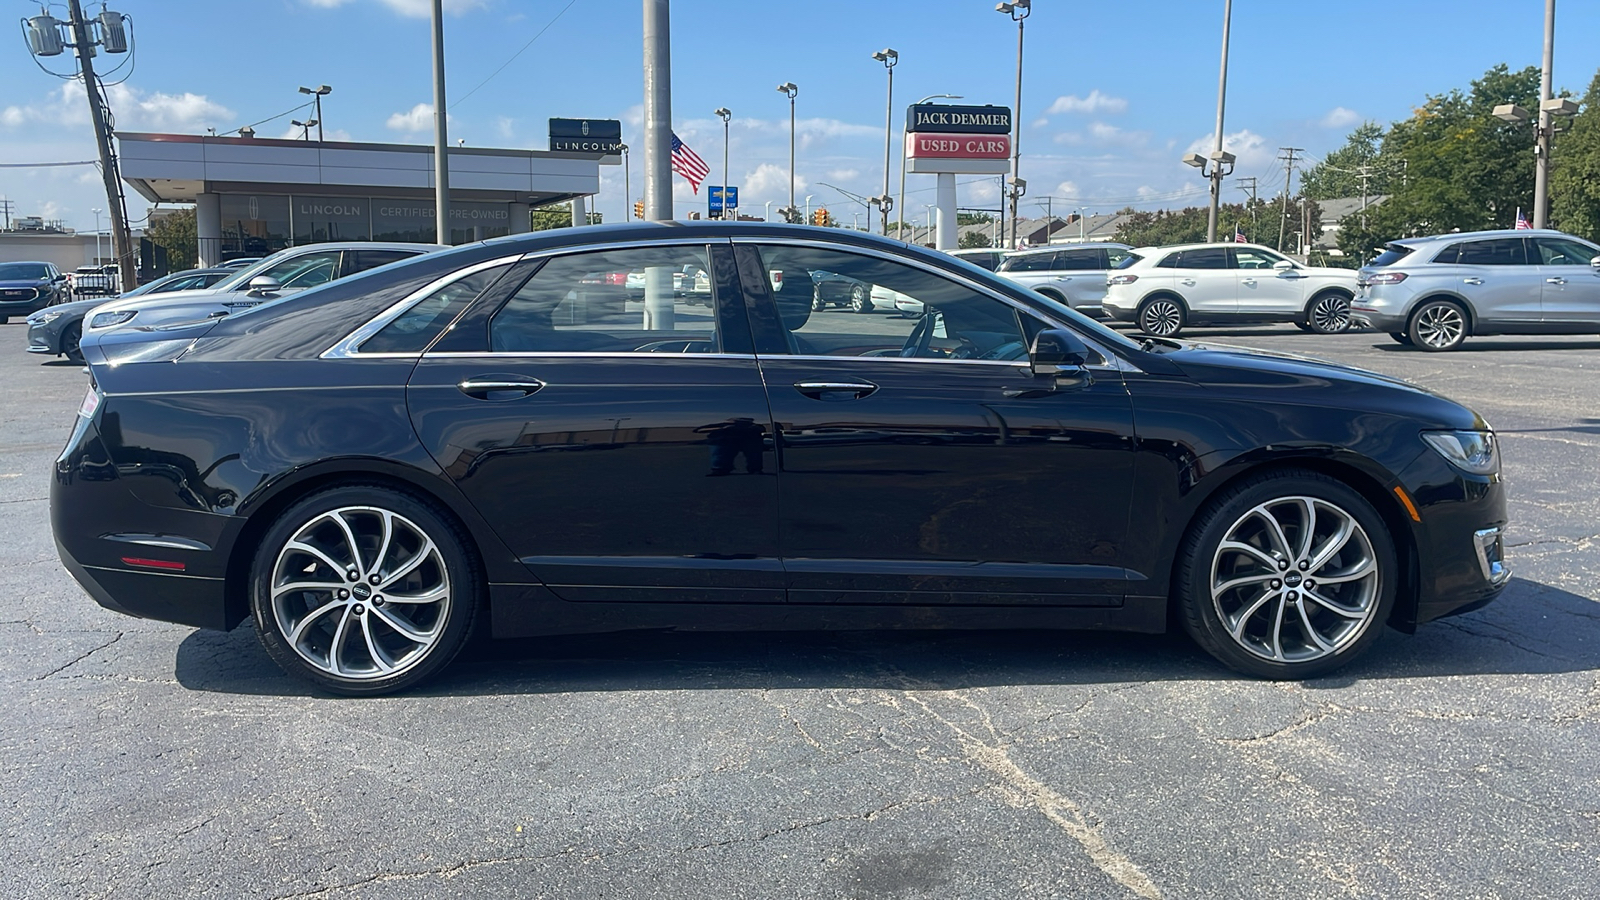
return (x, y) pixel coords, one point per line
(817, 303)
(860, 300)
(70, 340)
(332, 625)
(1161, 317)
(1437, 326)
(1328, 313)
(1400, 337)
(1241, 587)
(1303, 325)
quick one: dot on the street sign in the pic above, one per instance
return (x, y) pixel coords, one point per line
(949, 119)
(586, 135)
(714, 197)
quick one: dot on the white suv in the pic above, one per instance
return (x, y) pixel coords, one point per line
(1070, 274)
(1164, 289)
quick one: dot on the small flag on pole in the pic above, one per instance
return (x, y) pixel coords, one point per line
(1238, 236)
(688, 163)
(1522, 223)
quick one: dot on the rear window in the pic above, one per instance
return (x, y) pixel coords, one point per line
(1390, 255)
(1027, 262)
(1128, 260)
(1204, 258)
(1078, 260)
(1502, 252)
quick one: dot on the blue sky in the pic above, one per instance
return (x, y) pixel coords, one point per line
(1113, 93)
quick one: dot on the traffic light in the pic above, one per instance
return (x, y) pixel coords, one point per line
(638, 209)
(819, 216)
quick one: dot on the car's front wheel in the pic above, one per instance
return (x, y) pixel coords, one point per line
(817, 303)
(1288, 575)
(363, 590)
(1438, 325)
(1328, 313)
(1400, 337)
(71, 340)
(1161, 317)
(860, 300)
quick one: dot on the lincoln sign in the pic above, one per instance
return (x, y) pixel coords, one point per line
(967, 140)
(586, 135)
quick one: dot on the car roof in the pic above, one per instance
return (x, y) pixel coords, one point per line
(1066, 245)
(1471, 235)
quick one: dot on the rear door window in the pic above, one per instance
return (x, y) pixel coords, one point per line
(362, 260)
(1028, 262)
(1501, 252)
(1204, 258)
(1080, 260)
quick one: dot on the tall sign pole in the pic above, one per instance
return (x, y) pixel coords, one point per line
(441, 139)
(1216, 155)
(121, 240)
(1541, 169)
(657, 110)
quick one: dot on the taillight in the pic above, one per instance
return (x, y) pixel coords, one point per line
(1386, 278)
(1122, 279)
(91, 402)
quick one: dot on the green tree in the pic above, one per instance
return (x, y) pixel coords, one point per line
(1575, 175)
(973, 240)
(1258, 223)
(177, 233)
(1339, 173)
(968, 218)
(556, 215)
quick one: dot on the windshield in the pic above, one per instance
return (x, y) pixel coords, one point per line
(236, 282)
(23, 271)
(1127, 261)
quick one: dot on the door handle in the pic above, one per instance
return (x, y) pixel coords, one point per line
(1556, 280)
(1473, 280)
(835, 390)
(500, 387)
(1186, 282)
(1248, 282)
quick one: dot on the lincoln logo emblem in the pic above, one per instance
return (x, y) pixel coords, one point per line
(1292, 579)
(255, 208)
(586, 128)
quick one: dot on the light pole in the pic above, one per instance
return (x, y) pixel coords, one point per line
(789, 90)
(96, 212)
(724, 114)
(767, 216)
(889, 58)
(627, 187)
(1018, 10)
(317, 96)
(1221, 166)
(305, 127)
(898, 232)
(441, 139)
(1217, 173)
(1544, 127)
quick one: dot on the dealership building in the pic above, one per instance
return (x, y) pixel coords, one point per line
(253, 196)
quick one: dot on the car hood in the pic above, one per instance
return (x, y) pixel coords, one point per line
(14, 283)
(181, 306)
(75, 308)
(1317, 382)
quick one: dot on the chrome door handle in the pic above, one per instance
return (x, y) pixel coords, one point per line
(1473, 280)
(835, 390)
(1186, 282)
(1556, 280)
(507, 387)
(1251, 282)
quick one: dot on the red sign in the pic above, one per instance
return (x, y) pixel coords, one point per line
(958, 146)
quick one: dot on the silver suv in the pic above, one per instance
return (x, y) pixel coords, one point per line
(1073, 274)
(1433, 292)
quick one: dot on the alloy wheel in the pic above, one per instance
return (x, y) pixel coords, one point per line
(1161, 318)
(1330, 314)
(1439, 326)
(361, 593)
(1295, 579)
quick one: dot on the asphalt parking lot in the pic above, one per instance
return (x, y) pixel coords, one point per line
(149, 760)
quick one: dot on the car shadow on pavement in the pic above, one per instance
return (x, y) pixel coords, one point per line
(1486, 345)
(1532, 629)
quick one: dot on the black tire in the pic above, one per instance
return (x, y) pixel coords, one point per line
(1400, 337)
(1438, 326)
(817, 303)
(1273, 613)
(860, 299)
(333, 627)
(70, 340)
(1303, 325)
(1328, 313)
(4, 320)
(1161, 316)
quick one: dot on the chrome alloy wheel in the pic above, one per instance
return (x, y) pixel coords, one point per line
(361, 593)
(1160, 318)
(1330, 315)
(1440, 326)
(1295, 579)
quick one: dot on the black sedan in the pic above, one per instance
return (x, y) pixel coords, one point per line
(373, 468)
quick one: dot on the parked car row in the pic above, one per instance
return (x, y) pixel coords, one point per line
(26, 287)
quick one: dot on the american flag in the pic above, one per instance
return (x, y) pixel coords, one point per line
(688, 163)
(1238, 236)
(1522, 223)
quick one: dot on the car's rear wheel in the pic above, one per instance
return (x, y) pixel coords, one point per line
(363, 590)
(1289, 575)
(1437, 326)
(860, 300)
(817, 303)
(1328, 313)
(71, 340)
(1400, 337)
(1161, 317)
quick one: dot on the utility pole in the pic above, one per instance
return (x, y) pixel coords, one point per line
(1251, 187)
(441, 140)
(1541, 171)
(121, 240)
(5, 207)
(1288, 178)
(1216, 154)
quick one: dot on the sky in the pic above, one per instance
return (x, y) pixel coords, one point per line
(1113, 94)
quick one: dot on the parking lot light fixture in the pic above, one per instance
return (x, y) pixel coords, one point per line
(889, 58)
(316, 95)
(1018, 10)
(788, 89)
(726, 115)
(1510, 112)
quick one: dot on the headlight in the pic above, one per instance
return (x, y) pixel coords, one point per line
(108, 319)
(1469, 451)
(46, 317)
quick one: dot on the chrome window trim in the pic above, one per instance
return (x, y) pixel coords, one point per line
(1115, 362)
(348, 347)
(578, 354)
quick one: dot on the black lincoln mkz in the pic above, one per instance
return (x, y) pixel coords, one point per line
(505, 435)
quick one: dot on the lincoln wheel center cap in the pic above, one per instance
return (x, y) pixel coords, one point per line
(363, 591)
(1290, 579)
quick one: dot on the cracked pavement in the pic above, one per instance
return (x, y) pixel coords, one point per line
(148, 760)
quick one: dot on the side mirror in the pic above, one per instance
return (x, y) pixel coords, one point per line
(1056, 350)
(1283, 265)
(264, 284)
(1595, 262)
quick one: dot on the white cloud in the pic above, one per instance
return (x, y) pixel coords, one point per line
(769, 180)
(419, 118)
(1250, 148)
(844, 174)
(135, 110)
(1340, 117)
(503, 127)
(1094, 103)
(1067, 189)
(1041, 122)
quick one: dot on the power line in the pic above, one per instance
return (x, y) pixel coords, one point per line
(513, 56)
(1288, 181)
